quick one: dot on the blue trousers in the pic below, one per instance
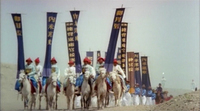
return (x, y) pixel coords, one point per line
(33, 81)
(79, 81)
(18, 84)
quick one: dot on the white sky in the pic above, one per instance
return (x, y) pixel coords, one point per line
(167, 31)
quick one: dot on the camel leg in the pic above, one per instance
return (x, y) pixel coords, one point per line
(67, 102)
(40, 102)
(73, 101)
(47, 103)
(24, 104)
(116, 100)
(56, 99)
(98, 101)
(70, 103)
(103, 102)
(82, 103)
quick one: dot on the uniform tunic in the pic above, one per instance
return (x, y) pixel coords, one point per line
(70, 72)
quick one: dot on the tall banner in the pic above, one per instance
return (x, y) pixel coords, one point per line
(105, 54)
(145, 72)
(70, 40)
(124, 27)
(130, 60)
(113, 39)
(90, 55)
(18, 26)
(75, 16)
(119, 55)
(137, 69)
(51, 21)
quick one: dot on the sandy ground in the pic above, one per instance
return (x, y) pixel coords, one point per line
(9, 101)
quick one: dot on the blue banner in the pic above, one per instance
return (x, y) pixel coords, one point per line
(70, 40)
(113, 39)
(18, 26)
(119, 55)
(124, 28)
(137, 69)
(75, 16)
(51, 21)
(90, 55)
(105, 54)
(145, 72)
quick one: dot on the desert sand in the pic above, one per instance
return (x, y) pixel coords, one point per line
(184, 100)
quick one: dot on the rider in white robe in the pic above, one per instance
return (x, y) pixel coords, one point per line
(70, 72)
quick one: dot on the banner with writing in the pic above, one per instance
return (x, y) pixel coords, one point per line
(119, 56)
(137, 69)
(75, 16)
(131, 73)
(17, 19)
(124, 27)
(70, 40)
(113, 39)
(51, 21)
(145, 72)
(90, 55)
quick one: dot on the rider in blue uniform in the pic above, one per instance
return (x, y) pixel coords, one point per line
(30, 71)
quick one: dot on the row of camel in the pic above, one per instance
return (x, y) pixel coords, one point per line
(86, 91)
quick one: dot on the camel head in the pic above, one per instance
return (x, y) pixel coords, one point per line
(53, 79)
(22, 76)
(113, 76)
(102, 72)
(87, 74)
(71, 80)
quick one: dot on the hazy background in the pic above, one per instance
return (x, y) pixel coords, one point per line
(167, 31)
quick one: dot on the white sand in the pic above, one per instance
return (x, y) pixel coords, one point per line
(9, 100)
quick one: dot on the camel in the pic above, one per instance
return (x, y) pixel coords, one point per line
(51, 92)
(26, 91)
(69, 93)
(101, 88)
(117, 87)
(86, 91)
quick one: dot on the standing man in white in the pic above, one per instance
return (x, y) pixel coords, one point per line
(193, 86)
(144, 99)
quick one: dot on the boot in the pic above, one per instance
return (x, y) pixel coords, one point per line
(110, 91)
(20, 91)
(77, 90)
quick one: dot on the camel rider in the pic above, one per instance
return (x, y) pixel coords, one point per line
(70, 72)
(99, 64)
(54, 68)
(80, 79)
(117, 68)
(143, 91)
(39, 68)
(31, 72)
(92, 69)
